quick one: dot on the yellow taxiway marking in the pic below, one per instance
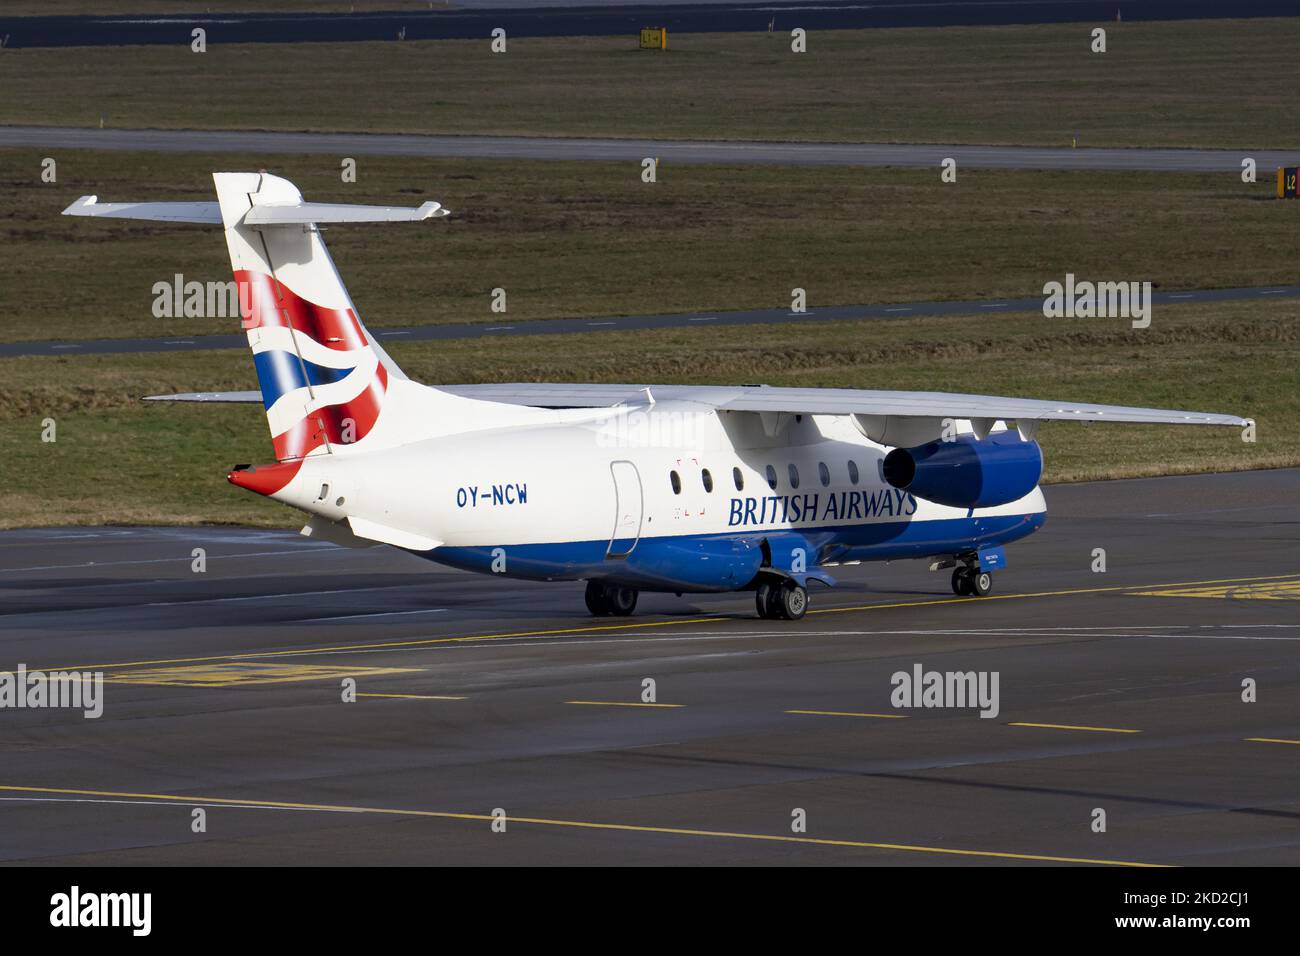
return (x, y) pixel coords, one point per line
(591, 629)
(1036, 594)
(1100, 730)
(415, 696)
(1283, 590)
(1272, 740)
(398, 645)
(617, 703)
(242, 673)
(580, 825)
(847, 713)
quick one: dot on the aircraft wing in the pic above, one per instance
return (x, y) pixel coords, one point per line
(808, 401)
(835, 401)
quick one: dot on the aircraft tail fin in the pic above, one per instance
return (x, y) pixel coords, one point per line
(324, 379)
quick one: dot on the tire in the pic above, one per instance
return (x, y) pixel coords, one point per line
(980, 583)
(961, 585)
(774, 602)
(621, 601)
(763, 600)
(793, 599)
(595, 597)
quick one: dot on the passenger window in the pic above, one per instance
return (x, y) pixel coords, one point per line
(738, 478)
(707, 479)
(824, 473)
(853, 472)
(771, 477)
(794, 477)
(677, 482)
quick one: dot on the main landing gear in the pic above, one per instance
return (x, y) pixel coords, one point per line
(970, 581)
(604, 600)
(783, 600)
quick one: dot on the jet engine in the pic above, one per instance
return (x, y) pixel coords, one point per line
(968, 472)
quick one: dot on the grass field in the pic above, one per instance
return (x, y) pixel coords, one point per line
(1227, 83)
(590, 239)
(118, 460)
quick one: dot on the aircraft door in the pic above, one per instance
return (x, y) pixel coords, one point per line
(627, 509)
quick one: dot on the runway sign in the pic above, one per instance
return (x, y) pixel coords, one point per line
(1286, 182)
(654, 38)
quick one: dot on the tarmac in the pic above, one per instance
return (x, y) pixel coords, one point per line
(495, 722)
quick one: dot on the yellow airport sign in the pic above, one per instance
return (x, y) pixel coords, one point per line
(654, 38)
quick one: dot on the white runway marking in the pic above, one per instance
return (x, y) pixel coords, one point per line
(351, 617)
(186, 558)
(268, 597)
(179, 804)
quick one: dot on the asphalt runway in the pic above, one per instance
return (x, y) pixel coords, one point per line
(668, 151)
(555, 18)
(1118, 690)
(623, 323)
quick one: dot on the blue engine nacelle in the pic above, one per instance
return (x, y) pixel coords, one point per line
(968, 472)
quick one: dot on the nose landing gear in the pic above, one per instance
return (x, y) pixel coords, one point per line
(605, 600)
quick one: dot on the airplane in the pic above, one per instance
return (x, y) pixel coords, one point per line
(630, 488)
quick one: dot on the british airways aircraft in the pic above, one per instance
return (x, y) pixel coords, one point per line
(629, 488)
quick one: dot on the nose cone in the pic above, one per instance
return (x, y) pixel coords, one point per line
(264, 479)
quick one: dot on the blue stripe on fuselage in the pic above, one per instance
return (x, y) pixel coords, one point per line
(651, 565)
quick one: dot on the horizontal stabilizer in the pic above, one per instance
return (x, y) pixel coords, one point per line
(269, 214)
(289, 214)
(213, 397)
(207, 213)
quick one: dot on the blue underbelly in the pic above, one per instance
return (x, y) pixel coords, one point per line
(716, 562)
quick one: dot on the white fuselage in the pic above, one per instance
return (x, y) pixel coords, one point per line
(583, 493)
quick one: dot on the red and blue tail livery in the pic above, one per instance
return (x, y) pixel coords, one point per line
(321, 382)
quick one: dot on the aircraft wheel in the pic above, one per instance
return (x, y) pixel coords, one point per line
(621, 601)
(793, 601)
(980, 583)
(763, 600)
(596, 599)
(961, 583)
